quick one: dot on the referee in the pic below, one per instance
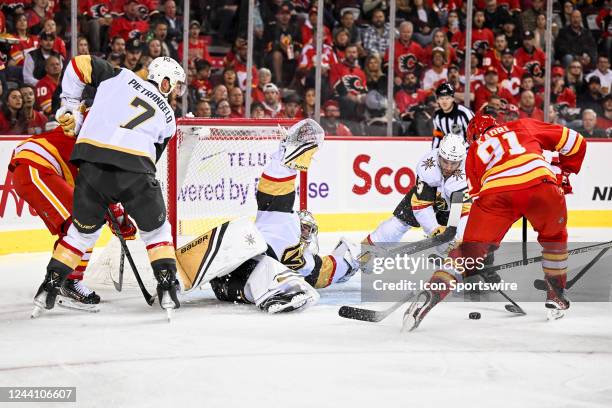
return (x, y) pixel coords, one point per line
(451, 117)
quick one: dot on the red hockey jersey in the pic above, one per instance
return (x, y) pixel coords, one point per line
(509, 157)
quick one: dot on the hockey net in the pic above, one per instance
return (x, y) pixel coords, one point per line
(208, 175)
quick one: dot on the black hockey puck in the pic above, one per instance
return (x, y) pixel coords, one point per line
(474, 315)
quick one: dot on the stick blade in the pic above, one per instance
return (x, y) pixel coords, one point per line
(355, 313)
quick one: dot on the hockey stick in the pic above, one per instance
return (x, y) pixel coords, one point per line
(540, 284)
(119, 285)
(512, 308)
(368, 315)
(148, 298)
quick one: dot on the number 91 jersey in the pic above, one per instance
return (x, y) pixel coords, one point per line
(509, 157)
(129, 119)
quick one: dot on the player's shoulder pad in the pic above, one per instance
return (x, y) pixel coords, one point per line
(428, 169)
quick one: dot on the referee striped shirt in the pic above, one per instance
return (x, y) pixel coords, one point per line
(444, 123)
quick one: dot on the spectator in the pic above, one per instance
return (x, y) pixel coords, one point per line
(564, 18)
(438, 71)
(306, 69)
(341, 41)
(197, 47)
(494, 15)
(439, 40)
(347, 21)
(223, 110)
(160, 32)
(605, 121)
(291, 108)
(376, 35)
(115, 59)
(369, 7)
(528, 84)
(59, 45)
(309, 28)
(130, 25)
(407, 52)
(118, 45)
(283, 43)
(257, 110)
(589, 125)
(349, 83)
(559, 92)
(219, 93)
(490, 87)
(509, 73)
(331, 123)
(229, 79)
(424, 20)
(175, 22)
(591, 97)
(45, 88)
(201, 85)
(154, 49)
(82, 46)
(236, 101)
(493, 55)
(410, 96)
(203, 110)
(34, 65)
(12, 121)
(237, 60)
(308, 107)
(375, 77)
(133, 53)
(27, 42)
(574, 77)
(603, 72)
(265, 77)
(41, 10)
(575, 41)
(540, 32)
(528, 53)
(529, 16)
(454, 78)
(480, 34)
(272, 101)
(96, 21)
(528, 108)
(34, 120)
(509, 29)
(453, 26)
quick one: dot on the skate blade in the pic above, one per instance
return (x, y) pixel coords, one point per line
(409, 322)
(298, 302)
(81, 307)
(169, 313)
(554, 314)
(37, 312)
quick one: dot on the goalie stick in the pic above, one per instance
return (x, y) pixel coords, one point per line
(124, 249)
(540, 284)
(369, 315)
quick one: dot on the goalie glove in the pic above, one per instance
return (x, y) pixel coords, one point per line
(127, 229)
(300, 143)
(69, 116)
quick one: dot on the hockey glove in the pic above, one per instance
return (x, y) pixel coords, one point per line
(564, 183)
(69, 116)
(437, 231)
(126, 227)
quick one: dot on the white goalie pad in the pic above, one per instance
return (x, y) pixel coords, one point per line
(218, 252)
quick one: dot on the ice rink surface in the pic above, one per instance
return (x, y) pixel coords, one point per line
(225, 355)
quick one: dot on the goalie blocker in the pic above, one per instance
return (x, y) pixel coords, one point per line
(231, 257)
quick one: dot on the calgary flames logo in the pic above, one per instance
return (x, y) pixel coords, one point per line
(407, 62)
(353, 83)
(534, 68)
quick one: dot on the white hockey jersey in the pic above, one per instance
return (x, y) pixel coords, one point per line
(129, 122)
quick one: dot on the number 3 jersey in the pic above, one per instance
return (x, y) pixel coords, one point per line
(509, 157)
(130, 121)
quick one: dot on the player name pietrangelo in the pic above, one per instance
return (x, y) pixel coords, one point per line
(161, 103)
(404, 284)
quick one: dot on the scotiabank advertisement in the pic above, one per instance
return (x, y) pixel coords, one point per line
(352, 185)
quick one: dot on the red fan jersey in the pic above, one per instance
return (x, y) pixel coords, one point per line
(44, 93)
(522, 57)
(309, 52)
(482, 94)
(47, 151)
(127, 29)
(511, 80)
(407, 56)
(95, 8)
(346, 79)
(478, 35)
(509, 157)
(197, 49)
(18, 51)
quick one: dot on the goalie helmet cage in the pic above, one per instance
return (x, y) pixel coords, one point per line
(210, 168)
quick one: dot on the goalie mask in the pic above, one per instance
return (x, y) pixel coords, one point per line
(308, 226)
(451, 153)
(166, 68)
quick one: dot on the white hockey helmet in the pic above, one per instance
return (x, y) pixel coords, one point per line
(166, 67)
(452, 148)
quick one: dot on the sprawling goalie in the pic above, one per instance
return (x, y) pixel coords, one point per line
(274, 263)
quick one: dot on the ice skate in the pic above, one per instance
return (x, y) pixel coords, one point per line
(47, 292)
(75, 295)
(291, 297)
(167, 288)
(418, 309)
(556, 301)
(349, 253)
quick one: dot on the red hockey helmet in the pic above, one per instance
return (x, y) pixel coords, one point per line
(478, 125)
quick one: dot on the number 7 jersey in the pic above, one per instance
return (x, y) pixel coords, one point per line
(129, 122)
(509, 157)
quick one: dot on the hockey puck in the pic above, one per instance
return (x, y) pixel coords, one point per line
(474, 315)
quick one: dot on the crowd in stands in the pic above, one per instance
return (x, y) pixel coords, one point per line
(507, 59)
